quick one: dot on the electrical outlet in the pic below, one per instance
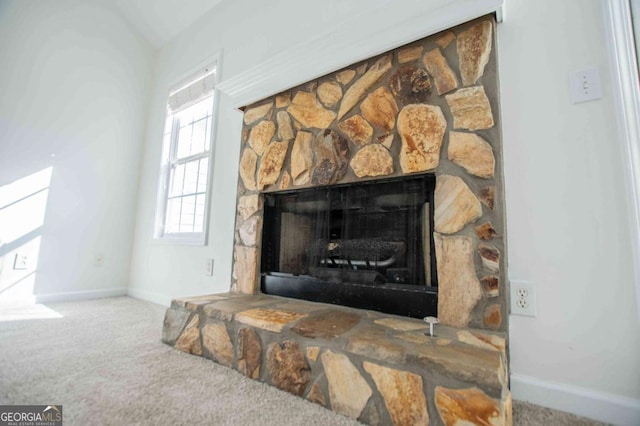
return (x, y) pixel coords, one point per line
(523, 298)
(209, 268)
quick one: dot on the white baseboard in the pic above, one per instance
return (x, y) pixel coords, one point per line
(150, 296)
(601, 406)
(80, 295)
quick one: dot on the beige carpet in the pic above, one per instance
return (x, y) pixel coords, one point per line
(104, 362)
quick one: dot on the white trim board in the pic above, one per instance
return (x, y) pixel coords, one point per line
(150, 296)
(340, 46)
(80, 295)
(619, 32)
(605, 407)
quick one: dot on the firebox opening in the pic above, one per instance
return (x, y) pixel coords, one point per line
(367, 245)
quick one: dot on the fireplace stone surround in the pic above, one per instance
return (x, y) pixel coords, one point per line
(427, 107)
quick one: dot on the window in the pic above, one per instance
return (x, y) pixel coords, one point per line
(186, 160)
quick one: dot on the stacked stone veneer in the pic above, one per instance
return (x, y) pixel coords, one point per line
(374, 367)
(429, 107)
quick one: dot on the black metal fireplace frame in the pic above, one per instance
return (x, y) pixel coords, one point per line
(393, 298)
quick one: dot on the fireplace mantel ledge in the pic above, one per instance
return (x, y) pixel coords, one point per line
(348, 42)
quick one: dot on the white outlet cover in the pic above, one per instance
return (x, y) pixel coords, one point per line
(516, 290)
(585, 85)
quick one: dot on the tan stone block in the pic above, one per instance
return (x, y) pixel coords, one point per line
(421, 128)
(467, 406)
(360, 88)
(174, 322)
(474, 49)
(327, 325)
(286, 180)
(307, 110)
(217, 342)
(248, 205)
(245, 268)
(248, 164)
(223, 309)
(482, 340)
(491, 285)
(446, 39)
(492, 317)
(488, 196)
(373, 342)
(464, 362)
(250, 230)
(357, 130)
(285, 131)
(470, 109)
(443, 76)
(256, 113)
(189, 340)
(455, 205)
(271, 163)
(402, 393)
(372, 160)
(345, 77)
(195, 304)
(486, 231)
(348, 390)
(401, 325)
(299, 306)
(329, 93)
(490, 257)
(283, 99)
(288, 367)
(268, 319)
(473, 153)
(380, 109)
(261, 135)
(301, 158)
(249, 350)
(408, 54)
(312, 353)
(458, 286)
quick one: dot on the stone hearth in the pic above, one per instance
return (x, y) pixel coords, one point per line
(378, 368)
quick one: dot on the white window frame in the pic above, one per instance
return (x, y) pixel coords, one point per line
(620, 35)
(169, 158)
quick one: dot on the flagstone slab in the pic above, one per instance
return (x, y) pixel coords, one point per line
(327, 325)
(268, 319)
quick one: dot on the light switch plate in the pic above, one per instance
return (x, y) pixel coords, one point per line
(585, 85)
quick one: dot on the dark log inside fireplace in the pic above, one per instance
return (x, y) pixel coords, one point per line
(367, 245)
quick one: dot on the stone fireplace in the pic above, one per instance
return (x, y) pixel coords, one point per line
(427, 108)
(374, 193)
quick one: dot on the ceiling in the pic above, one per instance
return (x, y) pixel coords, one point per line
(161, 20)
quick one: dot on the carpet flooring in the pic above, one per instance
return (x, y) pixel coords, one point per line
(104, 362)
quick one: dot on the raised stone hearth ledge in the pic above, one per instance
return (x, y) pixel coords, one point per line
(374, 367)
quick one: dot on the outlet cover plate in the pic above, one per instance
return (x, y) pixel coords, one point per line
(585, 85)
(523, 298)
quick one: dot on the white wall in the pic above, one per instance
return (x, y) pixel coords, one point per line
(568, 218)
(74, 85)
(566, 206)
